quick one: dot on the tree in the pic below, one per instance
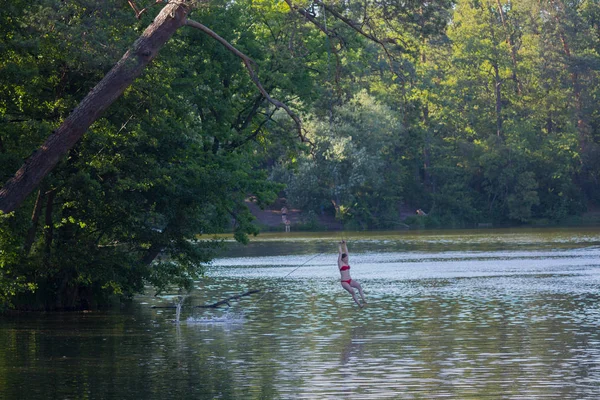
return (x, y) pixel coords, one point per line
(501, 77)
(174, 157)
(172, 17)
(348, 171)
(157, 170)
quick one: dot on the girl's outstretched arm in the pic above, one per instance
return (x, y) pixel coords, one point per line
(340, 252)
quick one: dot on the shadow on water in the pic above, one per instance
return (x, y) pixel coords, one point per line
(464, 315)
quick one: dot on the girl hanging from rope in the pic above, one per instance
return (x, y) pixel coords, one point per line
(348, 283)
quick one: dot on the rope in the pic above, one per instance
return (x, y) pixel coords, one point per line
(330, 90)
(289, 273)
(331, 125)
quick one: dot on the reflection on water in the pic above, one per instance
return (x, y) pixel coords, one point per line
(462, 315)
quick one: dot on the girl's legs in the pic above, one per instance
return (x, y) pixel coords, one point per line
(360, 291)
(347, 286)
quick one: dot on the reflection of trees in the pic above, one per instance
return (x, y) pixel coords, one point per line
(113, 356)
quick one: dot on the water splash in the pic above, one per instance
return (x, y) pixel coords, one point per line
(178, 304)
(227, 318)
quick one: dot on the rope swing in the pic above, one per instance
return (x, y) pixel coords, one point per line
(332, 129)
(267, 291)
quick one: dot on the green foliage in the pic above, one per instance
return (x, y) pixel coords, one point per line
(172, 161)
(497, 122)
(476, 112)
(348, 171)
(12, 279)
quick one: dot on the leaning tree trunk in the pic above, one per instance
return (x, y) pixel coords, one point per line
(40, 163)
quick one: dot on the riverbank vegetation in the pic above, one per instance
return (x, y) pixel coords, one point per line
(474, 111)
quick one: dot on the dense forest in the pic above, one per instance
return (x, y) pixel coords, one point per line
(476, 111)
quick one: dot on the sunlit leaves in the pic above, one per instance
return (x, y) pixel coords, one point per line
(351, 167)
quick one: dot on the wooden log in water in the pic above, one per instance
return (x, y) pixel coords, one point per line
(219, 303)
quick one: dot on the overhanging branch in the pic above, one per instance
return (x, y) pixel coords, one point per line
(248, 63)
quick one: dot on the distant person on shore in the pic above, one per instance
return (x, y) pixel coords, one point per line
(348, 283)
(285, 219)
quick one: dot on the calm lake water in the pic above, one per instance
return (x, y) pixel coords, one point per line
(483, 314)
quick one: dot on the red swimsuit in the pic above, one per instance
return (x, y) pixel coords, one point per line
(346, 268)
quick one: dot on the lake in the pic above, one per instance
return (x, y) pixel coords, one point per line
(471, 314)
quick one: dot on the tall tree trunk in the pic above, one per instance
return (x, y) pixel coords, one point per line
(425, 110)
(37, 211)
(513, 49)
(131, 65)
(498, 92)
(582, 126)
(497, 77)
(426, 146)
(48, 224)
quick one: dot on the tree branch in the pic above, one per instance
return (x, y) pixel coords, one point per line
(138, 12)
(248, 63)
(311, 17)
(352, 24)
(234, 145)
(219, 303)
(242, 122)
